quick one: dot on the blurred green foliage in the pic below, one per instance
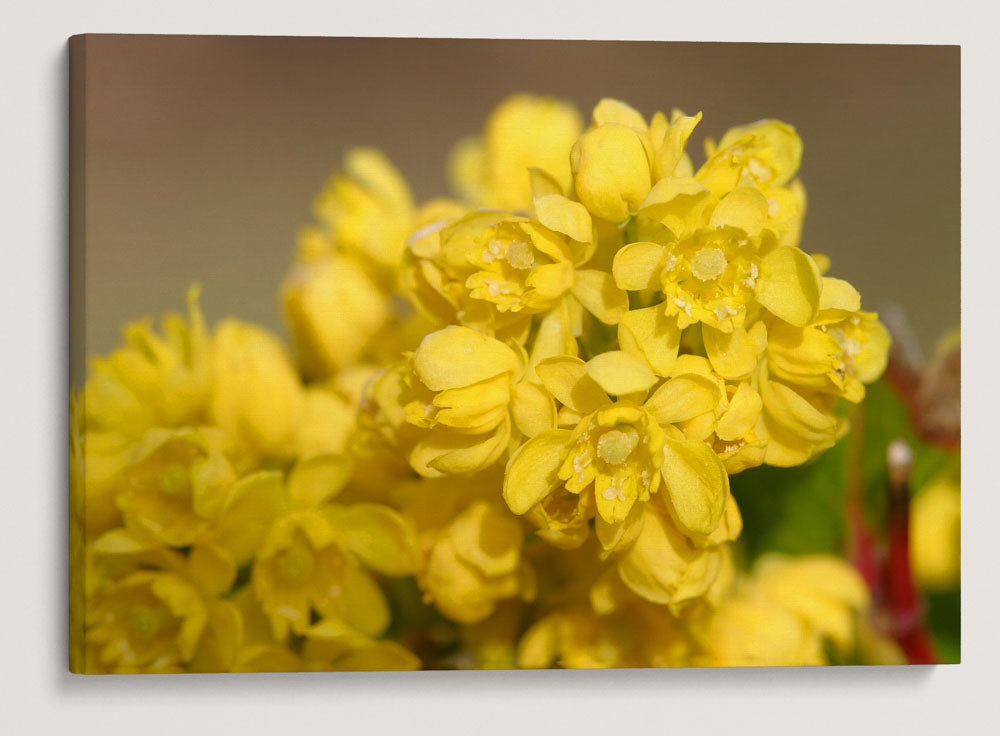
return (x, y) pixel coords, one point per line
(794, 510)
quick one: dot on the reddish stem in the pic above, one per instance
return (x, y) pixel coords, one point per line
(900, 599)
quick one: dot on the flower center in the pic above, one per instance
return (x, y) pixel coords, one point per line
(296, 565)
(616, 445)
(143, 621)
(174, 480)
(519, 255)
(708, 264)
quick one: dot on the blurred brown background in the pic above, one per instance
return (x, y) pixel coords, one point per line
(203, 154)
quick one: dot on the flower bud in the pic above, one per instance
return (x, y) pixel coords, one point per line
(256, 393)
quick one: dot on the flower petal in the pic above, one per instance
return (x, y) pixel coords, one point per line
(619, 373)
(654, 566)
(567, 379)
(547, 283)
(742, 414)
(211, 567)
(696, 483)
(671, 150)
(614, 537)
(652, 335)
(542, 182)
(796, 415)
(789, 285)
(599, 295)
(637, 266)
(487, 539)
(731, 353)
(459, 356)
(315, 480)
(533, 409)
(839, 294)
(379, 656)
(677, 203)
(683, 397)
(378, 536)
(254, 503)
(610, 110)
(365, 606)
(874, 355)
(564, 216)
(449, 454)
(532, 472)
(554, 338)
(744, 208)
(475, 408)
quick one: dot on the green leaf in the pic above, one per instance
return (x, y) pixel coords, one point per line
(944, 618)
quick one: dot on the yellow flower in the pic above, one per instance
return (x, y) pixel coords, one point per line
(611, 170)
(153, 380)
(577, 637)
(194, 581)
(806, 369)
(491, 644)
(618, 159)
(311, 556)
(935, 534)
(729, 410)
(666, 567)
(840, 351)
(474, 563)
(447, 406)
(493, 270)
(328, 645)
(825, 591)
(751, 632)
(472, 548)
(765, 155)
(797, 425)
(523, 132)
(146, 621)
(256, 394)
(785, 613)
(618, 452)
(302, 566)
(712, 266)
(327, 423)
(334, 309)
(176, 484)
(332, 645)
(767, 152)
(77, 535)
(367, 209)
(104, 456)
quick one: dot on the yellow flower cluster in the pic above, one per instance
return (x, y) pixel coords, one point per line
(592, 338)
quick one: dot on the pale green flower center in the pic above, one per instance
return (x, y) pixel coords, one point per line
(296, 565)
(144, 621)
(520, 256)
(615, 445)
(708, 264)
(174, 480)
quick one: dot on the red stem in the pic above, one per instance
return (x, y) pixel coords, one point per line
(901, 600)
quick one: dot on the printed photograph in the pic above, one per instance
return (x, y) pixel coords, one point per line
(425, 354)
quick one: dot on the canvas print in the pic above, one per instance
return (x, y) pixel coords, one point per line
(402, 354)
